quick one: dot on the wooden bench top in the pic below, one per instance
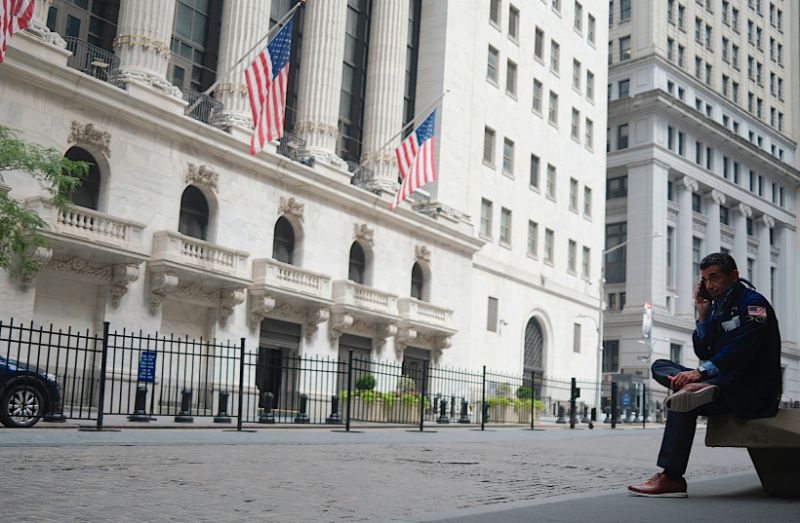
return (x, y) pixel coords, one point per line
(782, 431)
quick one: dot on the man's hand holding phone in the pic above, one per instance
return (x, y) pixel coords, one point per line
(702, 301)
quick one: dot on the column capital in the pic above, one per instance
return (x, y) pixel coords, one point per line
(688, 183)
(767, 220)
(744, 209)
(716, 196)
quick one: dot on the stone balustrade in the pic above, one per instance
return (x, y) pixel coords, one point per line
(275, 274)
(352, 294)
(177, 248)
(416, 311)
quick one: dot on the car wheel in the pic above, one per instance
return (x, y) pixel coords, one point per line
(22, 405)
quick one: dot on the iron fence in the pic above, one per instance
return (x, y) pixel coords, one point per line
(85, 376)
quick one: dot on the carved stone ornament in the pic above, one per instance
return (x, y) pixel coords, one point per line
(202, 175)
(422, 253)
(228, 299)
(80, 266)
(364, 233)
(121, 278)
(40, 257)
(260, 307)
(339, 322)
(313, 319)
(405, 335)
(86, 134)
(291, 207)
(161, 284)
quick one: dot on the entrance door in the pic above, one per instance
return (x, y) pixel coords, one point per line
(278, 349)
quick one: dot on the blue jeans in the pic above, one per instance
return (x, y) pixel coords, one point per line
(676, 443)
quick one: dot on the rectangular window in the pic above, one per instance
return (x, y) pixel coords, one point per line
(622, 136)
(576, 75)
(511, 78)
(576, 125)
(492, 64)
(537, 96)
(749, 226)
(494, 12)
(549, 240)
(555, 52)
(589, 135)
(697, 203)
(698, 153)
(751, 268)
(551, 182)
(670, 137)
(553, 109)
(590, 86)
(725, 167)
(736, 172)
(610, 356)
(578, 23)
(508, 156)
(533, 239)
(486, 218)
(573, 195)
(586, 263)
(513, 22)
(505, 226)
(538, 49)
(681, 143)
(617, 187)
(624, 88)
(681, 55)
(491, 316)
(724, 215)
(624, 48)
(616, 260)
(534, 173)
(624, 10)
(576, 337)
(670, 256)
(572, 254)
(587, 202)
(676, 353)
(488, 146)
(681, 17)
(709, 158)
(670, 49)
(697, 250)
(590, 31)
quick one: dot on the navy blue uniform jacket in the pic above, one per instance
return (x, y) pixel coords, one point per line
(744, 342)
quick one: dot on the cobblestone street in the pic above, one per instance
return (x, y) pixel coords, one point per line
(318, 475)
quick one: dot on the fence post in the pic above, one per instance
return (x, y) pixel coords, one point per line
(424, 393)
(239, 414)
(349, 389)
(101, 401)
(614, 413)
(483, 399)
(644, 405)
(573, 394)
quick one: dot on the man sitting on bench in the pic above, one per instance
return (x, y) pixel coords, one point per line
(737, 337)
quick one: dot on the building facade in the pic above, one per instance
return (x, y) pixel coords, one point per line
(702, 158)
(178, 229)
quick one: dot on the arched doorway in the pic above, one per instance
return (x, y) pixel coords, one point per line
(194, 214)
(533, 363)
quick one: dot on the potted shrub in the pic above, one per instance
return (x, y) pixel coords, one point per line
(501, 409)
(367, 404)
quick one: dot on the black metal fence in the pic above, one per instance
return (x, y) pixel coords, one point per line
(152, 376)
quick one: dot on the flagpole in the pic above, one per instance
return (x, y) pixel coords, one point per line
(400, 133)
(224, 75)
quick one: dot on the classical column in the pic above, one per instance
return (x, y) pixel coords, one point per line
(715, 199)
(765, 223)
(785, 301)
(321, 78)
(683, 253)
(38, 25)
(740, 215)
(646, 254)
(383, 106)
(244, 23)
(143, 38)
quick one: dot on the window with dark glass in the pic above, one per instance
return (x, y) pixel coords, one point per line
(194, 214)
(88, 194)
(358, 264)
(617, 187)
(195, 43)
(354, 79)
(616, 261)
(412, 58)
(278, 8)
(92, 21)
(417, 282)
(611, 356)
(283, 241)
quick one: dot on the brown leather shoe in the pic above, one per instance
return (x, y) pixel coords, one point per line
(692, 396)
(660, 486)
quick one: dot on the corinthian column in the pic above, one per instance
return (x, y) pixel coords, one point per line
(741, 213)
(38, 25)
(763, 272)
(244, 23)
(386, 80)
(142, 44)
(686, 278)
(715, 199)
(321, 78)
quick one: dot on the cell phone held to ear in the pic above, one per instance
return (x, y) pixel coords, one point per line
(704, 292)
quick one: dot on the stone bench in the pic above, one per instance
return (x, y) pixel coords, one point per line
(773, 445)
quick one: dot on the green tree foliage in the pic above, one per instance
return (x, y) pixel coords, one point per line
(20, 228)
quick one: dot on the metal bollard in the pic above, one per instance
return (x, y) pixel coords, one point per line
(185, 415)
(614, 410)
(464, 412)
(443, 412)
(266, 415)
(485, 411)
(452, 407)
(561, 418)
(335, 418)
(302, 416)
(222, 412)
(628, 418)
(139, 413)
(585, 417)
(436, 403)
(593, 417)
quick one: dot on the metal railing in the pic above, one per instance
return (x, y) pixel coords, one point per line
(91, 60)
(207, 107)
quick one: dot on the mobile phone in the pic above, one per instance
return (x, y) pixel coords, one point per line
(704, 292)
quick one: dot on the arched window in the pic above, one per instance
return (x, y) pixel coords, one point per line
(534, 349)
(358, 264)
(194, 214)
(88, 194)
(283, 241)
(417, 282)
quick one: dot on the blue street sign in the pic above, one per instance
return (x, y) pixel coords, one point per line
(147, 367)
(626, 398)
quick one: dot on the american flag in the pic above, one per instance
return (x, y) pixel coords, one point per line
(15, 15)
(266, 79)
(415, 158)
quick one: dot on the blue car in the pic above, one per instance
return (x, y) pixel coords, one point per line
(27, 394)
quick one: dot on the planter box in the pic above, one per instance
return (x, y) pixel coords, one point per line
(502, 414)
(403, 412)
(367, 410)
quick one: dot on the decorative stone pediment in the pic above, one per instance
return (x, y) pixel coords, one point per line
(291, 207)
(363, 232)
(202, 175)
(87, 134)
(422, 253)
